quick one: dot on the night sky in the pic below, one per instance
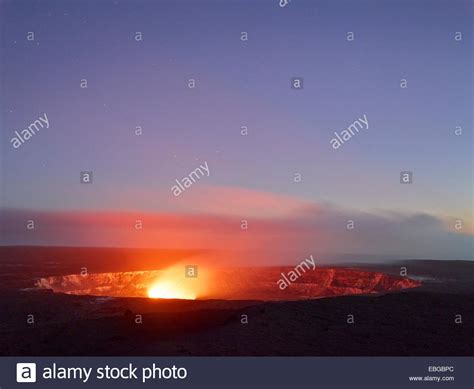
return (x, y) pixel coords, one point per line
(239, 83)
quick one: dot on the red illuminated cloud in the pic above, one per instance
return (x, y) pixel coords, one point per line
(211, 217)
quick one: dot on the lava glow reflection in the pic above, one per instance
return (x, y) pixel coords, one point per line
(169, 290)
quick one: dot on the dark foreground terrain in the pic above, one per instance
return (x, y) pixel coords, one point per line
(419, 321)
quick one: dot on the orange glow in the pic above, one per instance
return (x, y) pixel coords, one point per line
(172, 284)
(169, 290)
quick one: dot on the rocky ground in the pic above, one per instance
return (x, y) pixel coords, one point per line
(433, 319)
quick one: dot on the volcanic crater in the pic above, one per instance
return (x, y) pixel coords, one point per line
(253, 283)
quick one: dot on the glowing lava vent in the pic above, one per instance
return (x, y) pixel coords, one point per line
(170, 290)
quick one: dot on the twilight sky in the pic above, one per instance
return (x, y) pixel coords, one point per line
(239, 83)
